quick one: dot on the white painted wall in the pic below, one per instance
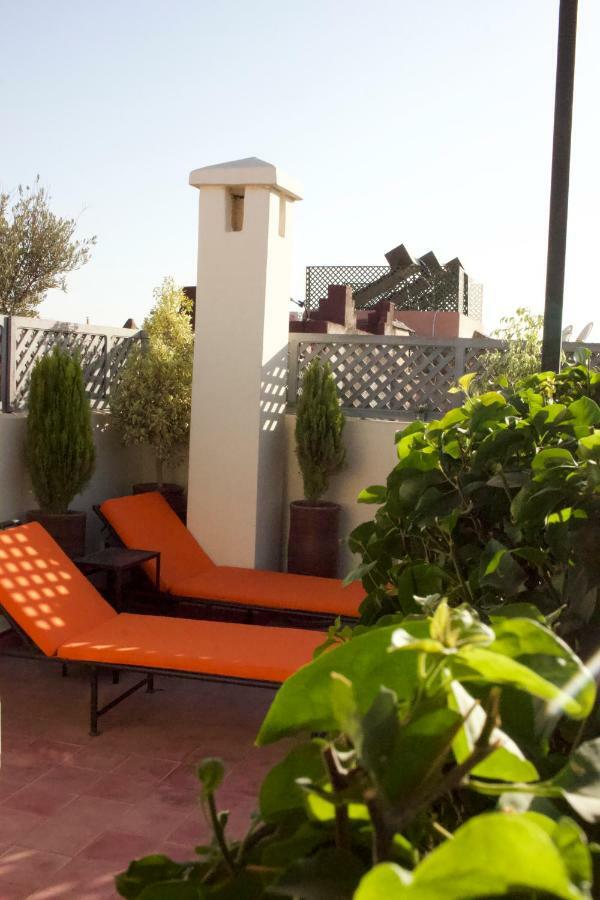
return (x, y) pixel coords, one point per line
(371, 455)
(117, 468)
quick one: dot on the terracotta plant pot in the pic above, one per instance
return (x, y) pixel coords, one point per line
(67, 529)
(173, 494)
(313, 544)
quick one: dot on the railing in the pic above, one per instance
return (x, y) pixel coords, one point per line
(102, 352)
(392, 377)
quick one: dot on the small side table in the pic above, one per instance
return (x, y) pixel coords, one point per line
(115, 561)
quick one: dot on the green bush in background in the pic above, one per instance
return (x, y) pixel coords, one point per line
(496, 502)
(319, 427)
(152, 402)
(59, 449)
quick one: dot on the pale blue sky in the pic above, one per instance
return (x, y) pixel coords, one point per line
(428, 123)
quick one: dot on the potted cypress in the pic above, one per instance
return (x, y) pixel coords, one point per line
(152, 402)
(59, 449)
(313, 545)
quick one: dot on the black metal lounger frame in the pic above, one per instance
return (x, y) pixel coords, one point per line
(94, 668)
(300, 618)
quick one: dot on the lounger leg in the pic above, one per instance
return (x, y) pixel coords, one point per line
(65, 671)
(93, 701)
(150, 684)
(115, 676)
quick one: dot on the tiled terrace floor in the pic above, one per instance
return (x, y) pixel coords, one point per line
(75, 809)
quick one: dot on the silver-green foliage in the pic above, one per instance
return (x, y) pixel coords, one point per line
(37, 250)
(152, 402)
(523, 354)
(60, 450)
(319, 426)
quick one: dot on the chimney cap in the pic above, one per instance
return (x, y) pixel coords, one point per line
(248, 171)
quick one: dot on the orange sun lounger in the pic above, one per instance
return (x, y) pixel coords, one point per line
(61, 615)
(147, 522)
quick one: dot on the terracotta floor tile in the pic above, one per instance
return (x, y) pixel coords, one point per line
(98, 757)
(24, 865)
(191, 831)
(151, 769)
(132, 790)
(15, 824)
(119, 847)
(91, 811)
(43, 800)
(152, 818)
(80, 879)
(56, 752)
(72, 779)
(114, 786)
(59, 835)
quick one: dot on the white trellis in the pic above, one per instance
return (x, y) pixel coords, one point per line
(102, 352)
(385, 377)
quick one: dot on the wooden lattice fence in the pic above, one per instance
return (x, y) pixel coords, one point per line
(390, 377)
(102, 352)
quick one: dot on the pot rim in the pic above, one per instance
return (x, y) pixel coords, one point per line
(317, 504)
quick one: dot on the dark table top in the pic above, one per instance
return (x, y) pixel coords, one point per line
(116, 558)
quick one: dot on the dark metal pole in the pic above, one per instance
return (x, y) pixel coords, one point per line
(559, 190)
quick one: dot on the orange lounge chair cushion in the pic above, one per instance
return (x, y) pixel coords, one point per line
(44, 592)
(147, 522)
(277, 590)
(211, 648)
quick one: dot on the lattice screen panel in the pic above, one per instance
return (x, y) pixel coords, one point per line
(386, 377)
(101, 357)
(318, 279)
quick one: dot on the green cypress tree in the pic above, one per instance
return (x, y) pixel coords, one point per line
(319, 426)
(59, 448)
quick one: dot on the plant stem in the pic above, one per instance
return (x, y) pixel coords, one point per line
(381, 832)
(220, 835)
(338, 783)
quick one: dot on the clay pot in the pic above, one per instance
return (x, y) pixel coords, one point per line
(67, 529)
(313, 544)
(173, 494)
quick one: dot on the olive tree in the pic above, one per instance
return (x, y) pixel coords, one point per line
(37, 250)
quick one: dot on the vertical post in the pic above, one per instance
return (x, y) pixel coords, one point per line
(237, 434)
(559, 190)
(8, 373)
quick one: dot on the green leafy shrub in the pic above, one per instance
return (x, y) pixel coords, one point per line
(523, 353)
(319, 426)
(152, 402)
(414, 788)
(496, 502)
(59, 449)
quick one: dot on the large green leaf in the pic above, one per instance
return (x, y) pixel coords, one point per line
(482, 664)
(536, 646)
(496, 854)
(304, 701)
(279, 792)
(579, 781)
(507, 763)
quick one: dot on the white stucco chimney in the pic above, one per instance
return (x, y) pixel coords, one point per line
(237, 444)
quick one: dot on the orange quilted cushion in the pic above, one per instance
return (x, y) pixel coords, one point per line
(278, 590)
(147, 522)
(43, 591)
(211, 648)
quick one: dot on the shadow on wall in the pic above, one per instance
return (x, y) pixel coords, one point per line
(271, 461)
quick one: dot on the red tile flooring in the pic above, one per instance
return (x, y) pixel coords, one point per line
(74, 810)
